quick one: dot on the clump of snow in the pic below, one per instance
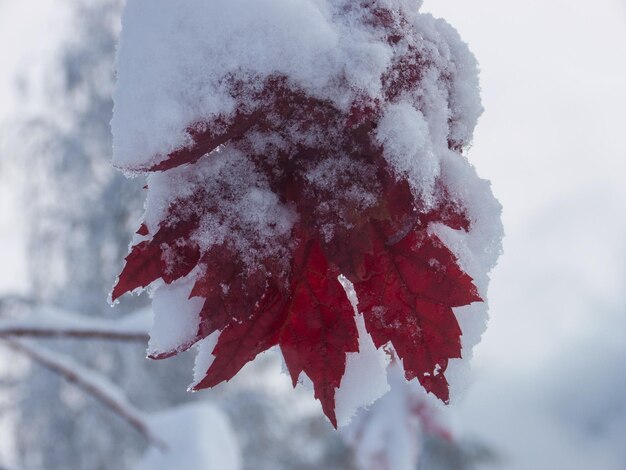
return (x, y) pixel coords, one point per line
(204, 357)
(403, 131)
(198, 436)
(365, 379)
(176, 317)
(464, 104)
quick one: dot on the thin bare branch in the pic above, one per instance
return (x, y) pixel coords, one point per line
(91, 382)
(30, 332)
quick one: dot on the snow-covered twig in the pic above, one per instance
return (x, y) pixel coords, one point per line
(92, 383)
(50, 323)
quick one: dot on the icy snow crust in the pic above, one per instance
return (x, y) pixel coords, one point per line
(176, 63)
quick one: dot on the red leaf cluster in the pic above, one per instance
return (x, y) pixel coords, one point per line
(407, 281)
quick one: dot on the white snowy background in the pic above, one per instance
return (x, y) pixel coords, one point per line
(549, 382)
(549, 377)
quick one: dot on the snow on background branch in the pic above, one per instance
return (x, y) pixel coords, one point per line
(47, 322)
(93, 383)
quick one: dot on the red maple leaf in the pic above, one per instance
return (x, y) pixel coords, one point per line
(407, 298)
(313, 323)
(407, 281)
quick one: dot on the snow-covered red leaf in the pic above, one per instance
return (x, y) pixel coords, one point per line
(287, 144)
